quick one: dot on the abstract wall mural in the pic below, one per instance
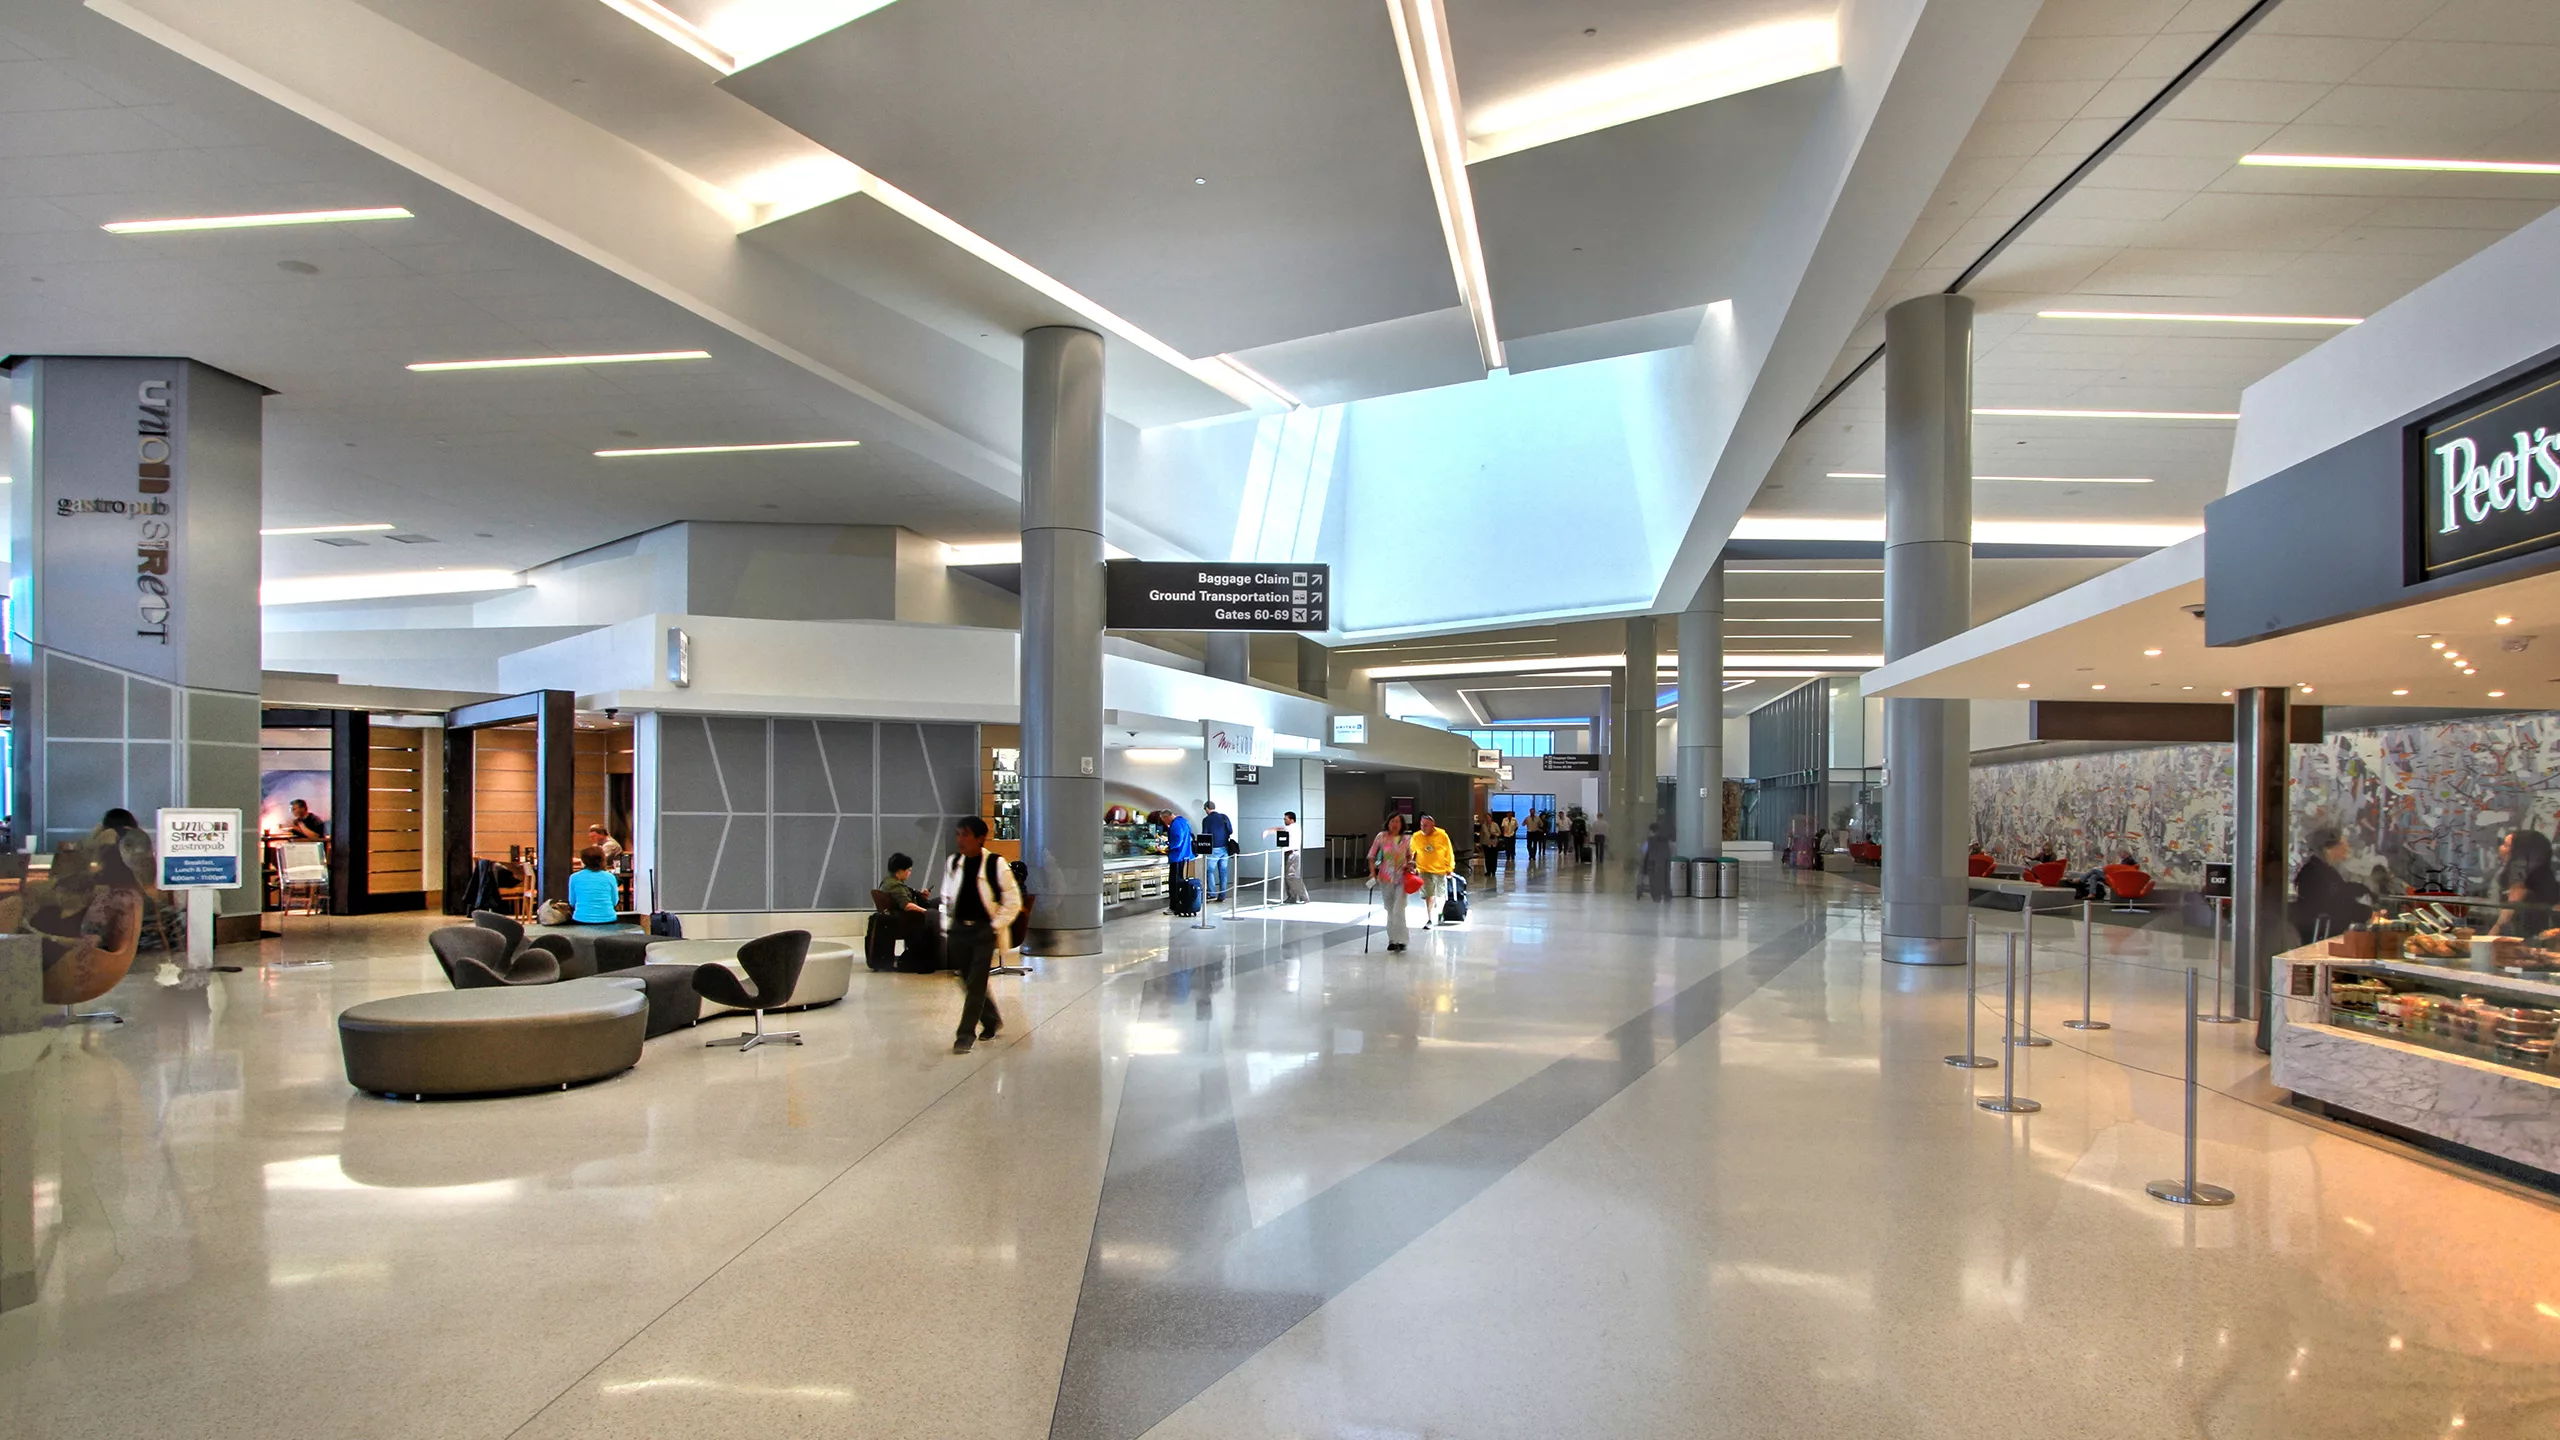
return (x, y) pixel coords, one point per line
(2428, 800)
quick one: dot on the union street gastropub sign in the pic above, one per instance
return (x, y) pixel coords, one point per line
(2485, 477)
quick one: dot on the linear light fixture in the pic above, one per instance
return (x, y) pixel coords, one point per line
(1763, 661)
(2017, 479)
(537, 362)
(1799, 619)
(676, 30)
(727, 449)
(382, 586)
(1265, 381)
(1153, 755)
(1422, 40)
(1799, 600)
(2114, 414)
(1691, 75)
(253, 222)
(2167, 317)
(1781, 570)
(327, 529)
(2400, 162)
(1985, 532)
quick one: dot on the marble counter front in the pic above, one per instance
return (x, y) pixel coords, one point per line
(2510, 1113)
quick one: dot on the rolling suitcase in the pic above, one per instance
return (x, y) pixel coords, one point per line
(880, 943)
(1453, 910)
(1186, 897)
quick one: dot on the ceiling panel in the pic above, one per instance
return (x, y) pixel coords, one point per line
(1223, 176)
(1391, 357)
(1640, 218)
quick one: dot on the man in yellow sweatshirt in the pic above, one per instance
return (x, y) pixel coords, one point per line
(1432, 856)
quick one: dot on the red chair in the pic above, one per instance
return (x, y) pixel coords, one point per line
(2129, 883)
(1980, 866)
(2048, 873)
(1866, 852)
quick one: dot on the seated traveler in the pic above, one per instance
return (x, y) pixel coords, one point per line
(595, 894)
(901, 866)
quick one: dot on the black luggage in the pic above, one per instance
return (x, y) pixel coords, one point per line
(1453, 910)
(923, 954)
(880, 942)
(1186, 896)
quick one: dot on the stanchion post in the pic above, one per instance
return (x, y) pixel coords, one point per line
(2027, 987)
(2010, 1102)
(2221, 907)
(2088, 968)
(2187, 1191)
(1972, 969)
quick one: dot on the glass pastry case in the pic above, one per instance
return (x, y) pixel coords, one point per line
(2505, 1021)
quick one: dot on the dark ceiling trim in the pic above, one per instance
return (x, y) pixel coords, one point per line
(2150, 111)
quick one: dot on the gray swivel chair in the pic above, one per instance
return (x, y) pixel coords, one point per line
(476, 958)
(772, 963)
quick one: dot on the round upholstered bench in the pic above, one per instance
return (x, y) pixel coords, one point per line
(496, 1040)
(824, 976)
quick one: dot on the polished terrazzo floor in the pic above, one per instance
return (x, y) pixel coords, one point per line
(1584, 1166)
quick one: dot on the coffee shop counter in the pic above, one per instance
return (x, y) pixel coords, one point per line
(2436, 1047)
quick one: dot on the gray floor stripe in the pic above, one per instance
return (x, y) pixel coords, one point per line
(1182, 1295)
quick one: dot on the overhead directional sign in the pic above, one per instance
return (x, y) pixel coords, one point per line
(1183, 595)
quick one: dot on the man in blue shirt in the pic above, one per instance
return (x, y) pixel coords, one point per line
(1217, 833)
(1177, 855)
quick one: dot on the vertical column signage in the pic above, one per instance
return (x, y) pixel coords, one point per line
(2485, 479)
(111, 466)
(1166, 595)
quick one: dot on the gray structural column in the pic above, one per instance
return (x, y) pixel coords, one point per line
(1230, 655)
(1700, 824)
(1928, 596)
(2262, 721)
(1062, 615)
(134, 636)
(1634, 739)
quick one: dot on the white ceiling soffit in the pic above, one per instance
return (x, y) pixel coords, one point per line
(1225, 176)
(1391, 357)
(863, 245)
(1639, 335)
(1638, 218)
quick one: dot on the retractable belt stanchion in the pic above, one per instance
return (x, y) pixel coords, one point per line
(1972, 968)
(2221, 907)
(1208, 907)
(2010, 1102)
(2027, 1005)
(2088, 968)
(2187, 1191)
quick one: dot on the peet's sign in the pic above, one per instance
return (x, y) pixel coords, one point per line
(1164, 595)
(2485, 478)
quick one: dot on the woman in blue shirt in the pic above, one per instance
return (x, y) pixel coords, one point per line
(594, 894)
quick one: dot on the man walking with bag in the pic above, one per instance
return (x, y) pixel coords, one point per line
(979, 901)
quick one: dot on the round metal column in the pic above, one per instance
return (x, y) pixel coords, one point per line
(1699, 832)
(1928, 596)
(1062, 615)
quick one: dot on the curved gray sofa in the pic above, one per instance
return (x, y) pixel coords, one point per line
(496, 1040)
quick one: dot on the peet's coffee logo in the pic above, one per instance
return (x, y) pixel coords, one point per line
(2487, 479)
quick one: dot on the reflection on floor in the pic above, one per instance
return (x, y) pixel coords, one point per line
(1583, 1166)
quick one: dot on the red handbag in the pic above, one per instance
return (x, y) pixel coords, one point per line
(1412, 883)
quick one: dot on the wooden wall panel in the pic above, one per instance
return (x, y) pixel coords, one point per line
(502, 810)
(397, 813)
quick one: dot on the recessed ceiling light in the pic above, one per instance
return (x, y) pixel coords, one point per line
(2467, 670)
(2029, 413)
(534, 362)
(2153, 653)
(2198, 319)
(2017, 479)
(2506, 619)
(727, 449)
(2401, 162)
(326, 529)
(1199, 179)
(252, 222)
(2399, 692)
(309, 588)
(2497, 694)
(2097, 687)
(2023, 685)
(2428, 636)
(2437, 645)
(2226, 694)
(2306, 689)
